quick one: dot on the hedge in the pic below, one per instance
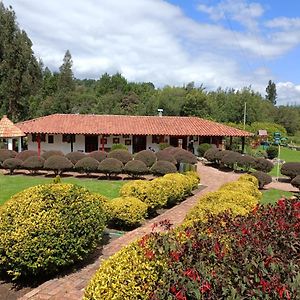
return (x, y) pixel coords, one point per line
(98, 155)
(58, 164)
(296, 182)
(12, 164)
(290, 169)
(264, 165)
(33, 164)
(184, 156)
(48, 227)
(5, 154)
(202, 148)
(210, 154)
(122, 155)
(110, 166)
(136, 168)
(74, 157)
(50, 153)
(146, 156)
(87, 165)
(26, 154)
(165, 156)
(262, 177)
(161, 168)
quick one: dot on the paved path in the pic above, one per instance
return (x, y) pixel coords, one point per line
(71, 287)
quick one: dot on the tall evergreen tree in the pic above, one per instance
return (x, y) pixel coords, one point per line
(20, 72)
(66, 81)
(271, 92)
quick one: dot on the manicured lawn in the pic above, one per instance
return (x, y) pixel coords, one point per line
(271, 196)
(287, 155)
(9, 185)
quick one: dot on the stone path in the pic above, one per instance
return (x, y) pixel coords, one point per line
(71, 287)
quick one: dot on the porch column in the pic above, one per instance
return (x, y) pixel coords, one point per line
(10, 144)
(102, 142)
(243, 144)
(72, 145)
(38, 139)
(20, 144)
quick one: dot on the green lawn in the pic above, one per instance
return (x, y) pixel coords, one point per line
(9, 185)
(271, 196)
(287, 155)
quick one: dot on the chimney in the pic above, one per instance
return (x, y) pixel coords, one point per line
(160, 112)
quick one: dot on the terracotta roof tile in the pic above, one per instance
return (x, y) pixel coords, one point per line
(121, 124)
(8, 129)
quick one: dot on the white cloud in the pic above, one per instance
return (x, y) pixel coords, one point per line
(284, 23)
(288, 93)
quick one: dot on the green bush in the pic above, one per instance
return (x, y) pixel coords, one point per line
(165, 156)
(290, 169)
(210, 154)
(220, 154)
(246, 162)
(50, 153)
(12, 164)
(118, 147)
(146, 156)
(58, 164)
(33, 164)
(127, 212)
(98, 155)
(136, 168)
(184, 156)
(5, 154)
(25, 154)
(48, 227)
(163, 146)
(110, 166)
(74, 157)
(264, 165)
(87, 165)
(272, 152)
(230, 159)
(296, 182)
(163, 167)
(122, 155)
(202, 148)
(262, 177)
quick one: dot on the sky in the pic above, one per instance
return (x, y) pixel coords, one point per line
(227, 43)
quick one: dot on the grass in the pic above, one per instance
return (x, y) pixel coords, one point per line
(10, 185)
(271, 196)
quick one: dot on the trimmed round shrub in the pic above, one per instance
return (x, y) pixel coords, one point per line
(135, 168)
(171, 150)
(50, 153)
(74, 157)
(87, 165)
(118, 147)
(210, 154)
(290, 169)
(165, 156)
(5, 154)
(230, 159)
(26, 154)
(58, 164)
(248, 177)
(246, 162)
(48, 227)
(272, 152)
(110, 166)
(146, 156)
(264, 165)
(99, 155)
(262, 177)
(184, 156)
(220, 154)
(122, 155)
(33, 164)
(127, 212)
(202, 148)
(161, 168)
(12, 164)
(296, 182)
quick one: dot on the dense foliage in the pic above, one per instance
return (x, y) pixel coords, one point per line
(12, 164)
(5, 154)
(48, 227)
(120, 154)
(87, 165)
(26, 154)
(290, 169)
(146, 156)
(263, 178)
(58, 164)
(33, 164)
(74, 157)
(136, 168)
(110, 166)
(163, 167)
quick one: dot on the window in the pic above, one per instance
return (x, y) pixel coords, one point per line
(42, 136)
(68, 138)
(50, 139)
(157, 139)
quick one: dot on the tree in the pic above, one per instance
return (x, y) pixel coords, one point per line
(66, 77)
(271, 92)
(20, 72)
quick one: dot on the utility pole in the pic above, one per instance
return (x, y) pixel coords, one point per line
(245, 112)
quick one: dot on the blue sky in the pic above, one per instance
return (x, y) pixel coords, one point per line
(227, 43)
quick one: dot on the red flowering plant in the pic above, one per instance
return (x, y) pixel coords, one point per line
(249, 257)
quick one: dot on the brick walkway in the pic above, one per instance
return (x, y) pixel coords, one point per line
(72, 286)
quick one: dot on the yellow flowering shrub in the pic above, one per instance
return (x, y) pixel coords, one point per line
(127, 211)
(129, 274)
(248, 177)
(194, 178)
(47, 227)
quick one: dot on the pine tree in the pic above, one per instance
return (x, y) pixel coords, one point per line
(66, 77)
(271, 92)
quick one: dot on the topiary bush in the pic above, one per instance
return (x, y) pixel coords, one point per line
(110, 166)
(127, 213)
(264, 165)
(74, 157)
(50, 153)
(220, 154)
(58, 164)
(165, 156)
(136, 168)
(262, 177)
(210, 154)
(118, 147)
(48, 227)
(26, 154)
(296, 182)
(87, 165)
(161, 168)
(246, 162)
(5, 154)
(98, 155)
(290, 169)
(184, 156)
(146, 156)
(33, 164)
(12, 164)
(122, 155)
(202, 148)
(272, 152)
(230, 159)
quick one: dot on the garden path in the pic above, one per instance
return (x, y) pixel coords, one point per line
(72, 286)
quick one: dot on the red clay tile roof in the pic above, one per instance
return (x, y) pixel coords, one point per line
(8, 129)
(121, 124)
